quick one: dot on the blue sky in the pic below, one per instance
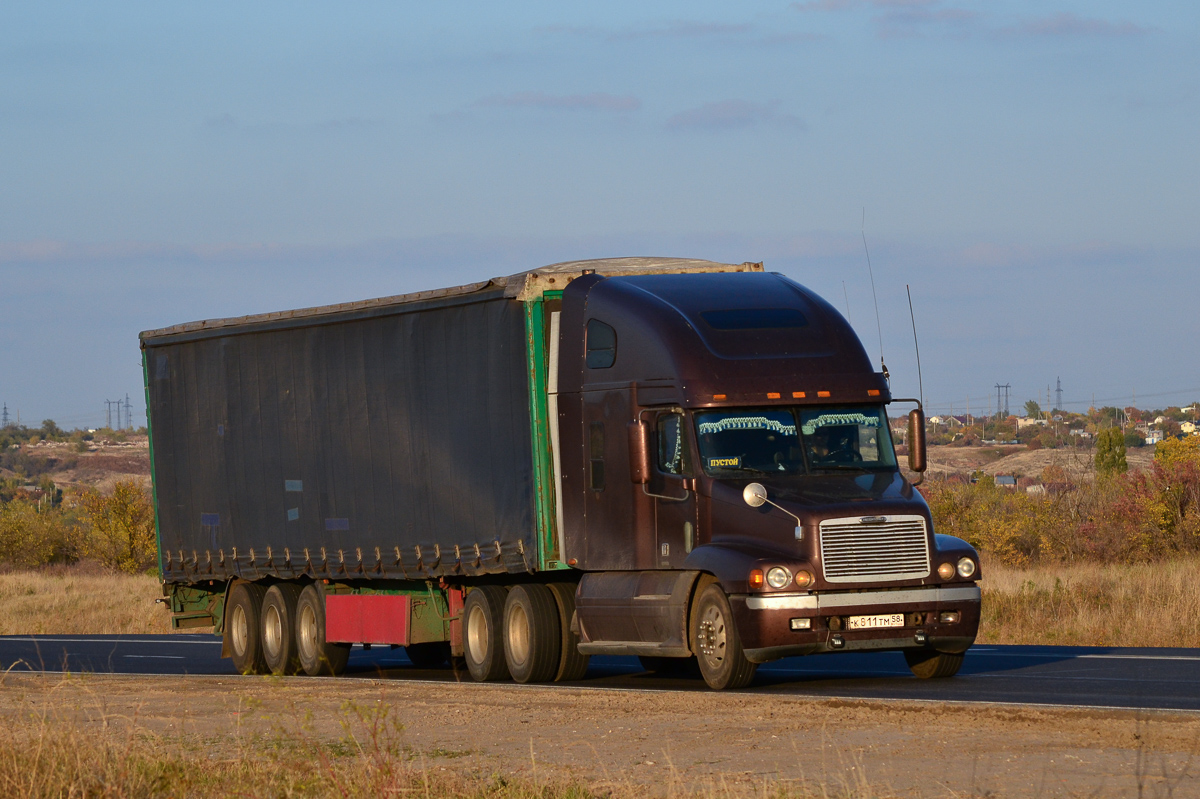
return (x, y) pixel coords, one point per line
(1031, 170)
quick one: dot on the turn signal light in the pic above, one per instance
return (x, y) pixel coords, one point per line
(756, 578)
(946, 571)
(803, 579)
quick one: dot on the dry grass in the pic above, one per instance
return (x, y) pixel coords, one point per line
(68, 740)
(74, 601)
(1142, 604)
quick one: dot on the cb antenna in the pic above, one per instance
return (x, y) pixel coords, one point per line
(871, 272)
(917, 347)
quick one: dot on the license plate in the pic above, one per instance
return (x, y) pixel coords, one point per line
(875, 622)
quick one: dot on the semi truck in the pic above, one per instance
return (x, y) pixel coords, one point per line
(680, 460)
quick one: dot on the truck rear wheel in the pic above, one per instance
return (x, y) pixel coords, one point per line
(317, 658)
(715, 641)
(243, 620)
(279, 628)
(571, 664)
(483, 623)
(532, 635)
(928, 664)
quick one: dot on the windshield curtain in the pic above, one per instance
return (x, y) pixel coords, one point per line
(798, 440)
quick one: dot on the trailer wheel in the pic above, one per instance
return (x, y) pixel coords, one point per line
(279, 628)
(483, 643)
(532, 639)
(929, 665)
(243, 622)
(317, 657)
(431, 655)
(715, 641)
(571, 664)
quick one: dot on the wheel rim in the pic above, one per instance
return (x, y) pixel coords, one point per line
(308, 633)
(712, 637)
(477, 634)
(272, 631)
(518, 634)
(239, 630)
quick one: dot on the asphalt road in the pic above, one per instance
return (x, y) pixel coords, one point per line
(1167, 679)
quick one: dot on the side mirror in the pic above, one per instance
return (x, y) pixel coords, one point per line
(755, 495)
(916, 440)
(639, 452)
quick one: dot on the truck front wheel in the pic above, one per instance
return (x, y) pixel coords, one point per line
(929, 665)
(483, 621)
(317, 657)
(279, 628)
(244, 614)
(716, 643)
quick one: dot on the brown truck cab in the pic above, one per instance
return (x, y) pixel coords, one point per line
(729, 487)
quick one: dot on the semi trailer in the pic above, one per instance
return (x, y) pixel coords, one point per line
(680, 460)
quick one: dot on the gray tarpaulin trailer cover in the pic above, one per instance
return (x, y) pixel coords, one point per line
(367, 440)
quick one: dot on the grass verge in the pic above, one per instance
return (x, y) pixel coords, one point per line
(1141, 604)
(76, 601)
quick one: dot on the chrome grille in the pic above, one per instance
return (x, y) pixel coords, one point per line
(891, 548)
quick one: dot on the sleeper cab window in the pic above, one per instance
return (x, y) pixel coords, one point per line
(670, 443)
(601, 345)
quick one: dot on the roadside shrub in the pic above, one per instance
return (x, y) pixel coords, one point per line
(122, 535)
(31, 536)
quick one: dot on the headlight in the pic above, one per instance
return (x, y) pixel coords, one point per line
(946, 571)
(778, 577)
(966, 567)
(804, 579)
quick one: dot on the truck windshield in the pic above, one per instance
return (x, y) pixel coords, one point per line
(799, 440)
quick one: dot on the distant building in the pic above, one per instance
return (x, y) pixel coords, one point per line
(1188, 427)
(1006, 481)
(1027, 421)
(1154, 436)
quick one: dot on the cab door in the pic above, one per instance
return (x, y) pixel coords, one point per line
(673, 485)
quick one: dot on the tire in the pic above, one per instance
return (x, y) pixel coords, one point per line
(317, 657)
(279, 629)
(243, 626)
(432, 655)
(571, 664)
(930, 665)
(483, 640)
(715, 641)
(532, 634)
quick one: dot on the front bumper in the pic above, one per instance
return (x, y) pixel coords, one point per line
(764, 621)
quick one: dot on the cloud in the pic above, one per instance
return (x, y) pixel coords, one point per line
(228, 123)
(734, 115)
(844, 5)
(595, 101)
(903, 18)
(677, 29)
(1067, 24)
